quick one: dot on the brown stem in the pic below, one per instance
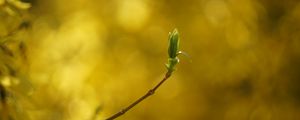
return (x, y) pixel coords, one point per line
(149, 93)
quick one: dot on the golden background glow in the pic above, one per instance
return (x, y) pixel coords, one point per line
(88, 54)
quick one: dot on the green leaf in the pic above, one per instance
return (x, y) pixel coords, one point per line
(173, 51)
(173, 44)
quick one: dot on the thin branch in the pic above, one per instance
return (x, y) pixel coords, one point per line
(149, 93)
(173, 52)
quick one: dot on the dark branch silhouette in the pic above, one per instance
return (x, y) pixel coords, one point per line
(149, 93)
(173, 52)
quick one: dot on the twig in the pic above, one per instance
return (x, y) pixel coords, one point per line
(149, 93)
(173, 52)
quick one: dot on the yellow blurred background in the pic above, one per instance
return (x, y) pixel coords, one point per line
(83, 55)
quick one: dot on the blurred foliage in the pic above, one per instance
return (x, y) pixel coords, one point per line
(63, 60)
(14, 82)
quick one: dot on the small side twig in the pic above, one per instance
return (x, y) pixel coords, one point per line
(173, 52)
(149, 93)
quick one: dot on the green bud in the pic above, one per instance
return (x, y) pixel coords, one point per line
(171, 64)
(173, 44)
(173, 51)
